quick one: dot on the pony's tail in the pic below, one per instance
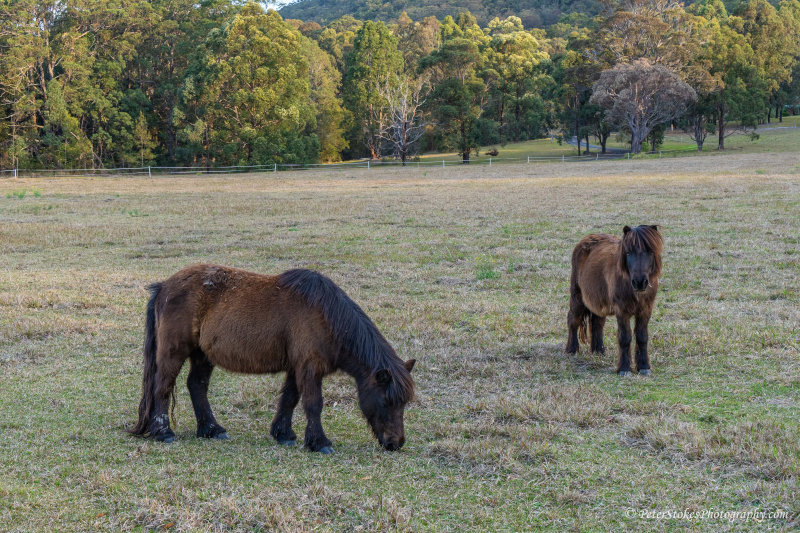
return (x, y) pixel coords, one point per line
(142, 427)
(583, 332)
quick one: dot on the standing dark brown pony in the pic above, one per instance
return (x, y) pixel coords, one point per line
(298, 322)
(615, 277)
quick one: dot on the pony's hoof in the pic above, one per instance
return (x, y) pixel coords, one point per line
(288, 442)
(326, 450)
(165, 435)
(212, 431)
(645, 372)
(624, 373)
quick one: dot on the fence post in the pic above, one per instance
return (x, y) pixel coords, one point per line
(274, 167)
(562, 158)
(442, 163)
(149, 172)
(628, 155)
(15, 173)
(367, 164)
(598, 157)
(490, 161)
(529, 160)
(659, 154)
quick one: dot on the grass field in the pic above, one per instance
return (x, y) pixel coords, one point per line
(773, 137)
(465, 270)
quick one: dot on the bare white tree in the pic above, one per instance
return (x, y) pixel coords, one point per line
(404, 126)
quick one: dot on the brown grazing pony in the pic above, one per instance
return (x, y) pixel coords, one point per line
(615, 277)
(298, 322)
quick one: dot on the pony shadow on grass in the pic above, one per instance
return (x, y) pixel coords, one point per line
(298, 322)
(612, 276)
(546, 356)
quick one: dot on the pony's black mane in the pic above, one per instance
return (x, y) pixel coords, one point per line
(646, 237)
(351, 327)
(643, 238)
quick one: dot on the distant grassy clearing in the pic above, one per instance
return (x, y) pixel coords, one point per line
(512, 150)
(773, 137)
(464, 269)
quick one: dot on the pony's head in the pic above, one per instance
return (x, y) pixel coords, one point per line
(640, 255)
(382, 397)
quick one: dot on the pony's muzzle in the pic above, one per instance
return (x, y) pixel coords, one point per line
(640, 285)
(393, 445)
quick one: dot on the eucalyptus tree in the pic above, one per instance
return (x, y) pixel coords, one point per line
(405, 107)
(512, 71)
(574, 73)
(253, 94)
(738, 94)
(375, 60)
(774, 36)
(172, 43)
(458, 95)
(641, 96)
(325, 83)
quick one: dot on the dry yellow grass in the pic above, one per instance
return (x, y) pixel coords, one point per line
(465, 269)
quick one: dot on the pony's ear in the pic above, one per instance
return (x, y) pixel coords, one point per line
(383, 377)
(409, 364)
(625, 230)
(655, 227)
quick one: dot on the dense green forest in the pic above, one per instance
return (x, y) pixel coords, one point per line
(532, 13)
(106, 83)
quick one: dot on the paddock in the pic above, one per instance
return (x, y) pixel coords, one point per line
(466, 270)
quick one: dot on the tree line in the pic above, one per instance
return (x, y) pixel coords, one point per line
(533, 13)
(105, 83)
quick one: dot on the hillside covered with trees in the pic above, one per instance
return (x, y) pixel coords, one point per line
(104, 83)
(532, 13)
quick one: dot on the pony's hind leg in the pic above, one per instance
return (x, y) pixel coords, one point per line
(597, 324)
(575, 323)
(310, 385)
(642, 358)
(168, 366)
(624, 339)
(197, 383)
(281, 428)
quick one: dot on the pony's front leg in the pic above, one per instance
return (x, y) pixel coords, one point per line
(311, 388)
(624, 338)
(642, 359)
(197, 383)
(281, 428)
